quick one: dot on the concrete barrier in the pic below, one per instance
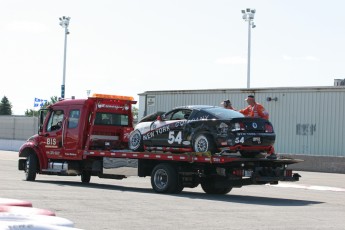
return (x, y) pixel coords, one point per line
(11, 145)
(318, 163)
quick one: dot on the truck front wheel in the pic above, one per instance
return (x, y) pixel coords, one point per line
(209, 187)
(164, 179)
(31, 167)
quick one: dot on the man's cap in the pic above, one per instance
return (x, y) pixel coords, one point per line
(250, 97)
(226, 102)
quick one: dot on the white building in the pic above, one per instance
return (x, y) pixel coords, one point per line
(308, 121)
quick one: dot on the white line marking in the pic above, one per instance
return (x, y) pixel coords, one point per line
(309, 187)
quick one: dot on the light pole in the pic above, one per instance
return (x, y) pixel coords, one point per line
(248, 16)
(64, 22)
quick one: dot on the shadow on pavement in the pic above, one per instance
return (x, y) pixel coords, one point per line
(242, 199)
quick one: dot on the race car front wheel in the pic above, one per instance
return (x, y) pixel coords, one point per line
(135, 142)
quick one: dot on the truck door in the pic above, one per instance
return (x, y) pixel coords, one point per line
(72, 139)
(51, 140)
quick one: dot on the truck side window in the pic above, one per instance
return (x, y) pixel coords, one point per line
(73, 119)
(55, 120)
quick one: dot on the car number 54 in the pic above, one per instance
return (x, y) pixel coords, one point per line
(175, 138)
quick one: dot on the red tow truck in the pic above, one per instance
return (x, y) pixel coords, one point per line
(89, 137)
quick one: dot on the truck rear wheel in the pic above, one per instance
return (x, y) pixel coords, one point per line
(164, 179)
(86, 176)
(209, 187)
(31, 167)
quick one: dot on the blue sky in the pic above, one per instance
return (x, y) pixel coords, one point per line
(129, 47)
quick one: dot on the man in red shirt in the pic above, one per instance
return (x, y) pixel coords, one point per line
(254, 109)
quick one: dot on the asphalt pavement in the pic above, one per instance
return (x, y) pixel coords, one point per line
(315, 202)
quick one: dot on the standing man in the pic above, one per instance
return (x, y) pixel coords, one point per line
(254, 109)
(227, 104)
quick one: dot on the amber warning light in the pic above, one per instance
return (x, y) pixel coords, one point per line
(115, 97)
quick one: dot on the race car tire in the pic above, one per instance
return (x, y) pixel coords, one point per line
(31, 167)
(208, 185)
(135, 142)
(164, 179)
(203, 143)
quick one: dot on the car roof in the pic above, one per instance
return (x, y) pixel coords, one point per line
(196, 107)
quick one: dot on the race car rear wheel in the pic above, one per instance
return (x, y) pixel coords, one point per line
(203, 143)
(135, 142)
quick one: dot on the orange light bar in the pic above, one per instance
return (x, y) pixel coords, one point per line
(116, 97)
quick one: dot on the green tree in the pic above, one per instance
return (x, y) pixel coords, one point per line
(5, 106)
(135, 111)
(31, 113)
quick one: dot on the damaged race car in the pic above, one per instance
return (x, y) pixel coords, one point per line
(203, 128)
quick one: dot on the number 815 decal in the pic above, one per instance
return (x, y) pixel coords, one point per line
(175, 138)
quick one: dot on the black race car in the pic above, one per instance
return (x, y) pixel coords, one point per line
(203, 128)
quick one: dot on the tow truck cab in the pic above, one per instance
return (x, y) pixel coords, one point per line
(69, 127)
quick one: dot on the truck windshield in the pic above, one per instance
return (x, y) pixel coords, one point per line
(112, 119)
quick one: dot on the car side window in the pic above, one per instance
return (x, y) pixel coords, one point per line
(179, 115)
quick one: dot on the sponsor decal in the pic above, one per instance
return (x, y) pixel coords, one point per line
(257, 139)
(254, 125)
(223, 128)
(158, 131)
(116, 107)
(166, 128)
(56, 153)
(71, 154)
(51, 143)
(186, 142)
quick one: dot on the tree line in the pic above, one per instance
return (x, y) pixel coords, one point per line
(6, 107)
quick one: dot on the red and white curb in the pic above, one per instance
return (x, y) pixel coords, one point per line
(15, 202)
(42, 219)
(26, 210)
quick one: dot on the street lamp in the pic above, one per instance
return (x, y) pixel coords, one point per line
(248, 16)
(64, 22)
